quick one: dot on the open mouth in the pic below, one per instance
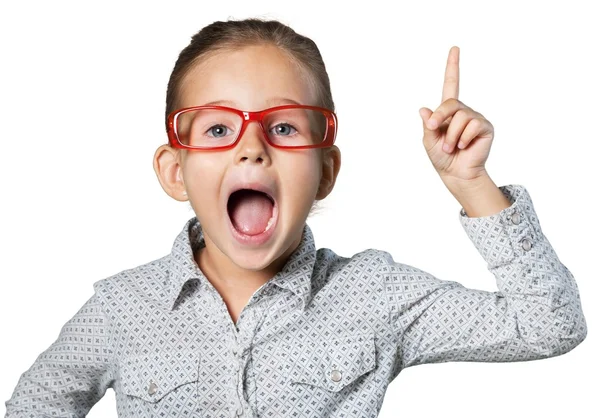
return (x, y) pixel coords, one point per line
(252, 214)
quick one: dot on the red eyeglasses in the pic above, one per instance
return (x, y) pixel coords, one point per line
(219, 127)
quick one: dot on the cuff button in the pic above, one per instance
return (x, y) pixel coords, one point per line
(526, 244)
(515, 218)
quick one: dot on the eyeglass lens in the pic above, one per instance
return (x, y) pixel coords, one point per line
(219, 127)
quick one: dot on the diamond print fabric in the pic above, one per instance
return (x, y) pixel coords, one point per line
(323, 338)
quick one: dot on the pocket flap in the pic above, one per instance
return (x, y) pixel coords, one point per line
(335, 363)
(152, 376)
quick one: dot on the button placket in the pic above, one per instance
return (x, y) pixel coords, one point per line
(236, 408)
(235, 401)
(240, 390)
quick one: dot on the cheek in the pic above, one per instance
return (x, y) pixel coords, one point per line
(301, 176)
(203, 177)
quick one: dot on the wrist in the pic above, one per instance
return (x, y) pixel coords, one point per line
(478, 197)
(460, 187)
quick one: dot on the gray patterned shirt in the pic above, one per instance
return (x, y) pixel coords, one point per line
(323, 338)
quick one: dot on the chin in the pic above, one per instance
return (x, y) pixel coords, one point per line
(262, 257)
(254, 261)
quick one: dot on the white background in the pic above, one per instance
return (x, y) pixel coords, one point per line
(82, 102)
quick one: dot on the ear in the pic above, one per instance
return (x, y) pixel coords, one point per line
(167, 166)
(332, 161)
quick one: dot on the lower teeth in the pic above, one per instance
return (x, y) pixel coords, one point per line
(269, 224)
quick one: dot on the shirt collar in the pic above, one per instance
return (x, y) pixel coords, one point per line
(295, 275)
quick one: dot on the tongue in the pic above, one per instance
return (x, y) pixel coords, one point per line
(250, 211)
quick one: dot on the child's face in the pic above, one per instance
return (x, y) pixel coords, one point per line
(251, 79)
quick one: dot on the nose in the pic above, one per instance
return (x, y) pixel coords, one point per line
(253, 146)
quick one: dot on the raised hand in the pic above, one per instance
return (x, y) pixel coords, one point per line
(457, 138)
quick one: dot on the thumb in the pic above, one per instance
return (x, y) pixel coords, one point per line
(429, 135)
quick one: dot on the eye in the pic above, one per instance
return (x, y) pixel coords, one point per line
(220, 131)
(283, 129)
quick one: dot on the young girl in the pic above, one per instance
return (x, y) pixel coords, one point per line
(245, 317)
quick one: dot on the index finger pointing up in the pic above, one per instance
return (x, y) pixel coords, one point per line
(450, 90)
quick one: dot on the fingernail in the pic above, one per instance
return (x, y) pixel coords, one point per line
(461, 145)
(432, 123)
(446, 147)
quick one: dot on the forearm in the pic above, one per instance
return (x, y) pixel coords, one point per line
(536, 312)
(479, 197)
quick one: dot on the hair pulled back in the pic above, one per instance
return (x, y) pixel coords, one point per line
(237, 34)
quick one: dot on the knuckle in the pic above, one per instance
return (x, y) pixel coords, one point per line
(487, 124)
(451, 102)
(476, 122)
(462, 113)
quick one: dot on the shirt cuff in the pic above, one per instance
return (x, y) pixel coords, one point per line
(508, 234)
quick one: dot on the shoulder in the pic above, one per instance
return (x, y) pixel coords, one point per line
(381, 264)
(144, 280)
(373, 258)
(371, 262)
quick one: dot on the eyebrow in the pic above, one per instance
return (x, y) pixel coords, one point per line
(273, 101)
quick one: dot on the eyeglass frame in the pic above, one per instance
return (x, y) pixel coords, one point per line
(247, 117)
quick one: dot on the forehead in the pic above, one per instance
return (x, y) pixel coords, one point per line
(250, 78)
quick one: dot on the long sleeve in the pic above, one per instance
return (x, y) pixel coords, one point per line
(70, 376)
(536, 312)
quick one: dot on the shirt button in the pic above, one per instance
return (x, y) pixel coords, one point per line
(515, 218)
(526, 244)
(336, 375)
(152, 388)
(237, 412)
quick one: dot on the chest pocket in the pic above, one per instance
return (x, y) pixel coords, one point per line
(153, 376)
(332, 364)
